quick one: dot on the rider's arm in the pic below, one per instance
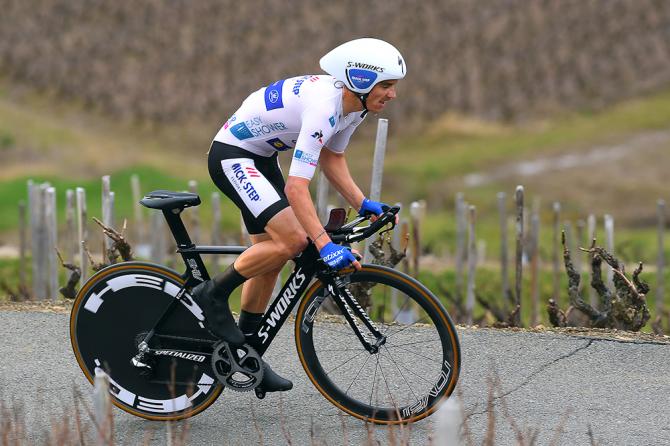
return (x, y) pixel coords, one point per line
(297, 192)
(334, 166)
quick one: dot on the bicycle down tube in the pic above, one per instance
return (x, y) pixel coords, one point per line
(283, 304)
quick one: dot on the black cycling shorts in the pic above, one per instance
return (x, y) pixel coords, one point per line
(253, 182)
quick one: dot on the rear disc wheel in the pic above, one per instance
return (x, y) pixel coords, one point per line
(118, 306)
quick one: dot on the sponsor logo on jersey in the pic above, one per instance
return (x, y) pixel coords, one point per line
(273, 96)
(255, 127)
(361, 78)
(244, 184)
(299, 82)
(252, 172)
(228, 122)
(241, 131)
(332, 121)
(278, 144)
(365, 66)
(318, 135)
(305, 157)
(268, 128)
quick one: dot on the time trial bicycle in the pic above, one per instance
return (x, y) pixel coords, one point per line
(384, 351)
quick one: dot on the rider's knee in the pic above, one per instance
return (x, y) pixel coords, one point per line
(275, 272)
(294, 245)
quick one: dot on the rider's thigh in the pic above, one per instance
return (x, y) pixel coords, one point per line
(285, 230)
(257, 238)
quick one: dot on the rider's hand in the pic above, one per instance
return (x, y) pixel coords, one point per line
(338, 257)
(372, 207)
(375, 208)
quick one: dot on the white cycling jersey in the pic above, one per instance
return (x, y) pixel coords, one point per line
(303, 112)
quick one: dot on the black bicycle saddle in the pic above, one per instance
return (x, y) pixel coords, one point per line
(165, 199)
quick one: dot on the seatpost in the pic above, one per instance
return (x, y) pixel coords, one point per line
(196, 271)
(173, 218)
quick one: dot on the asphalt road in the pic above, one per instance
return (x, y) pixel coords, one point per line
(551, 385)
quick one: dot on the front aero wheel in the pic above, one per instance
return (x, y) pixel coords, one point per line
(415, 368)
(114, 311)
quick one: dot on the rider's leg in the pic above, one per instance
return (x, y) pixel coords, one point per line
(256, 185)
(287, 239)
(284, 239)
(256, 291)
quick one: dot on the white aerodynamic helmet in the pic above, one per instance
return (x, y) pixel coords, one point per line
(362, 63)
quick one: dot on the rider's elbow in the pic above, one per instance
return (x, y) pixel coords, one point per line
(295, 188)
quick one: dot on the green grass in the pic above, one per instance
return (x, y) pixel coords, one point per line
(9, 273)
(631, 245)
(11, 192)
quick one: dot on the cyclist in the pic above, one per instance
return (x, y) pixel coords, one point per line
(308, 114)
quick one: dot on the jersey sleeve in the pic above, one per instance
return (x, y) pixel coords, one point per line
(314, 132)
(338, 143)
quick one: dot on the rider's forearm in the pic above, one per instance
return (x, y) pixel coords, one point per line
(334, 166)
(297, 192)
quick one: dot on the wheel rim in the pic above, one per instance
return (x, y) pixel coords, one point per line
(416, 367)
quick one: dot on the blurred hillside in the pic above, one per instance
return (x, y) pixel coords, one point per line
(179, 60)
(568, 97)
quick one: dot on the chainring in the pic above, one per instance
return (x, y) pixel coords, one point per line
(239, 369)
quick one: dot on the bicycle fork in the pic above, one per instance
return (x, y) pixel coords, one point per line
(353, 312)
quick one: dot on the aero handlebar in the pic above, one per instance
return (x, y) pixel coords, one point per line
(350, 233)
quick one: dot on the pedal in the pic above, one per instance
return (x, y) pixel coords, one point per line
(260, 393)
(238, 368)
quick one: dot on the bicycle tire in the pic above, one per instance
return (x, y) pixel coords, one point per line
(111, 311)
(327, 348)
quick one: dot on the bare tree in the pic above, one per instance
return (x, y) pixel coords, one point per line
(623, 308)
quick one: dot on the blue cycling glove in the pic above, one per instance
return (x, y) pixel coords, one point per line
(371, 207)
(336, 256)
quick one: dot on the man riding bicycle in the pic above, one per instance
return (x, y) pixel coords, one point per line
(306, 113)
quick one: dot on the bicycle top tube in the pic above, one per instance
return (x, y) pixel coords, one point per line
(206, 249)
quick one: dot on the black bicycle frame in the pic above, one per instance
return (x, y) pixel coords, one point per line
(289, 296)
(307, 267)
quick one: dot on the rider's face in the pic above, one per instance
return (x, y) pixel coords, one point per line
(380, 95)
